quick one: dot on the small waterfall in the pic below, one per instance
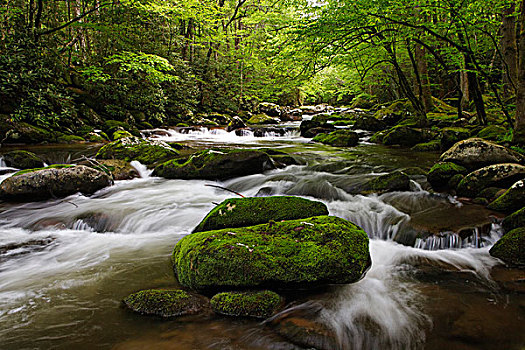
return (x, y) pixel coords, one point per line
(143, 171)
(2, 163)
(452, 240)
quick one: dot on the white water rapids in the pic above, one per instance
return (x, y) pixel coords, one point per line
(65, 264)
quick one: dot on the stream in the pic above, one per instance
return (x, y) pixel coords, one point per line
(66, 264)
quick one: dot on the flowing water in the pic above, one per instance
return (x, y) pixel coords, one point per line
(66, 264)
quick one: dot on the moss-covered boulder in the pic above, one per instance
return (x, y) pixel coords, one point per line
(216, 165)
(270, 109)
(378, 136)
(431, 146)
(133, 148)
(476, 153)
(239, 212)
(442, 172)
(258, 304)
(452, 135)
(492, 132)
(121, 134)
(307, 125)
(512, 200)
(514, 220)
(26, 133)
(54, 181)
(22, 160)
(288, 254)
(511, 247)
(404, 136)
(497, 175)
(369, 123)
(119, 169)
(339, 138)
(165, 303)
(396, 181)
(235, 123)
(261, 119)
(396, 111)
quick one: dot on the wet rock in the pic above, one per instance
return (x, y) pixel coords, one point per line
(270, 109)
(491, 193)
(261, 119)
(12, 250)
(216, 165)
(307, 125)
(369, 123)
(431, 146)
(396, 111)
(236, 123)
(120, 169)
(450, 136)
(396, 181)
(258, 304)
(310, 133)
(54, 181)
(404, 136)
(219, 118)
(264, 131)
(201, 120)
(239, 212)
(476, 153)
(338, 138)
(133, 148)
(514, 220)
(378, 136)
(455, 180)
(511, 247)
(165, 303)
(497, 175)
(121, 134)
(442, 172)
(512, 200)
(316, 109)
(22, 160)
(292, 115)
(301, 253)
(492, 132)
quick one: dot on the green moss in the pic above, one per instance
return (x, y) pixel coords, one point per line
(69, 139)
(182, 125)
(442, 172)
(164, 303)
(452, 135)
(260, 304)
(339, 138)
(120, 134)
(378, 136)
(493, 132)
(22, 160)
(305, 252)
(133, 148)
(400, 109)
(53, 166)
(455, 180)
(396, 181)
(239, 212)
(262, 118)
(515, 220)
(512, 200)
(511, 247)
(432, 146)
(404, 136)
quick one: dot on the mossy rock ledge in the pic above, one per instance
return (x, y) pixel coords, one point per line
(258, 304)
(134, 148)
(442, 172)
(216, 165)
(22, 160)
(59, 180)
(302, 253)
(165, 303)
(339, 138)
(241, 212)
(511, 247)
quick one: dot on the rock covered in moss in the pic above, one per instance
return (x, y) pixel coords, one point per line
(441, 173)
(121, 134)
(261, 118)
(258, 304)
(270, 109)
(396, 181)
(476, 153)
(120, 169)
(452, 135)
(395, 112)
(235, 123)
(512, 200)
(134, 148)
(369, 123)
(339, 138)
(431, 146)
(404, 136)
(514, 220)
(165, 303)
(308, 125)
(288, 254)
(497, 175)
(58, 180)
(239, 212)
(22, 160)
(511, 247)
(492, 132)
(216, 165)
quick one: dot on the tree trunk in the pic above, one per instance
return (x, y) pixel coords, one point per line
(519, 126)
(475, 90)
(509, 50)
(425, 92)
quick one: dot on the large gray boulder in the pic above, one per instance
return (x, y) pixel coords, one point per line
(497, 175)
(476, 153)
(54, 181)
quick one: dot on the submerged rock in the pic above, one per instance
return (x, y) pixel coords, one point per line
(511, 247)
(288, 254)
(339, 138)
(216, 165)
(476, 153)
(165, 303)
(133, 148)
(513, 199)
(239, 212)
(22, 160)
(497, 175)
(259, 304)
(441, 173)
(58, 180)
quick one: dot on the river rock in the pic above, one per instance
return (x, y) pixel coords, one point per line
(53, 181)
(338, 138)
(514, 220)
(404, 136)
(270, 109)
(261, 118)
(476, 153)
(497, 175)
(258, 304)
(133, 148)
(492, 132)
(307, 125)
(441, 173)
(396, 181)
(511, 247)
(369, 123)
(235, 123)
(120, 169)
(292, 115)
(166, 303)
(452, 135)
(22, 160)
(288, 254)
(512, 200)
(121, 134)
(431, 146)
(239, 212)
(313, 132)
(216, 165)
